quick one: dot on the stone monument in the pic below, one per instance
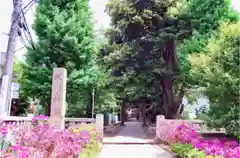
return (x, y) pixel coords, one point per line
(58, 100)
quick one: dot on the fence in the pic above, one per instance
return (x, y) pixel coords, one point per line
(17, 124)
(13, 128)
(164, 126)
(68, 122)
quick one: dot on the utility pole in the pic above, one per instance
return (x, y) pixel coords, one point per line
(8, 68)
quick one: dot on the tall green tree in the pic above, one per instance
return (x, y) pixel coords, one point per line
(147, 52)
(65, 38)
(217, 70)
(96, 90)
(142, 51)
(209, 14)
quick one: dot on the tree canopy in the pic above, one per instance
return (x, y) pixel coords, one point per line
(156, 52)
(142, 50)
(149, 42)
(65, 38)
(217, 70)
(210, 14)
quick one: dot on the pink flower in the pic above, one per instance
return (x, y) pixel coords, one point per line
(44, 139)
(175, 132)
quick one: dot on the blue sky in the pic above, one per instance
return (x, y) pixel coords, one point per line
(98, 6)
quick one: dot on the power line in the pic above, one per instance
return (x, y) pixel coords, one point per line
(29, 3)
(27, 29)
(23, 25)
(19, 49)
(28, 6)
(22, 40)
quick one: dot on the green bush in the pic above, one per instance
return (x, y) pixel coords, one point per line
(92, 149)
(188, 151)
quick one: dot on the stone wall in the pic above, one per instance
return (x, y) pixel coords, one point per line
(165, 127)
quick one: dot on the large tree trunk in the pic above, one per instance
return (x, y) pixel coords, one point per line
(171, 103)
(144, 113)
(89, 105)
(123, 112)
(168, 98)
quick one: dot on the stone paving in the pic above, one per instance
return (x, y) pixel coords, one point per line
(132, 133)
(132, 142)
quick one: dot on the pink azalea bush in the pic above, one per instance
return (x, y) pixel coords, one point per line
(211, 147)
(165, 129)
(43, 141)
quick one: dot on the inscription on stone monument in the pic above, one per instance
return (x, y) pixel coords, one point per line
(58, 108)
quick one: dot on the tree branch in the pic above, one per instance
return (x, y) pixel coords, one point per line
(150, 108)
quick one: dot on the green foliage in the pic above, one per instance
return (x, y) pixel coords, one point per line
(17, 68)
(136, 41)
(65, 39)
(217, 69)
(142, 29)
(208, 14)
(105, 96)
(93, 149)
(188, 151)
(90, 152)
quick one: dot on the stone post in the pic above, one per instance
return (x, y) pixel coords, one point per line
(159, 120)
(100, 122)
(58, 101)
(4, 107)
